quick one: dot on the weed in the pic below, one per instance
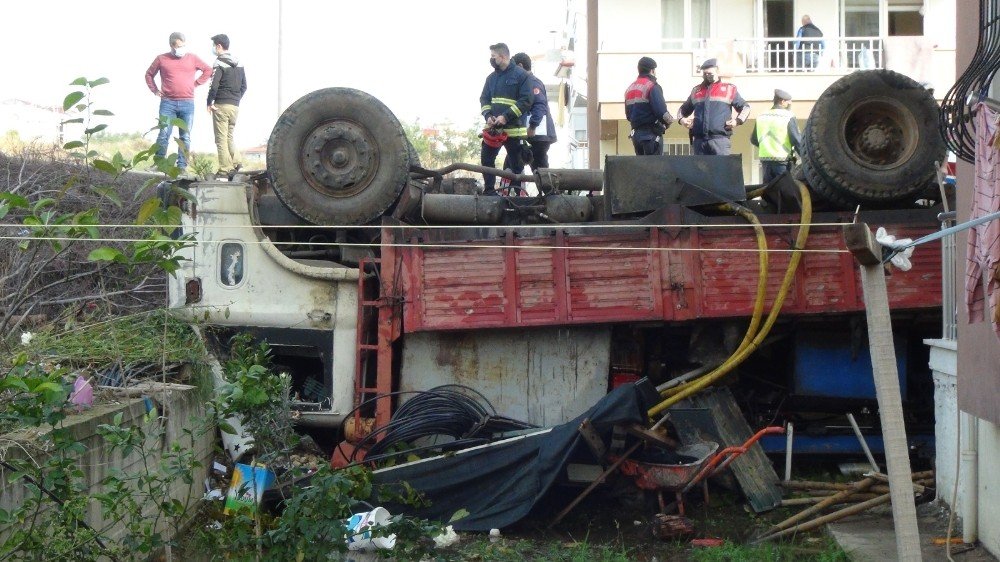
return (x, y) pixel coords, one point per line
(826, 551)
(126, 340)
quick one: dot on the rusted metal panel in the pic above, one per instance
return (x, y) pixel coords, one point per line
(545, 376)
(627, 275)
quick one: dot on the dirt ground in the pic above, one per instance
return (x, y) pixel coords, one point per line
(614, 523)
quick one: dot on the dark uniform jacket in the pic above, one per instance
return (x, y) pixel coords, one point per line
(508, 93)
(712, 106)
(540, 117)
(645, 107)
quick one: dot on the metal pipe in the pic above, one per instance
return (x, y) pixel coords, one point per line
(425, 173)
(788, 451)
(861, 438)
(970, 468)
(562, 179)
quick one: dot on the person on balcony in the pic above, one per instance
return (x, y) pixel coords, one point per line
(776, 135)
(646, 110)
(708, 112)
(808, 49)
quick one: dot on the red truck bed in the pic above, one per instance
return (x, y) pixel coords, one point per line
(565, 275)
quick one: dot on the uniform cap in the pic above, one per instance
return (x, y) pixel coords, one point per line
(647, 63)
(709, 64)
(782, 95)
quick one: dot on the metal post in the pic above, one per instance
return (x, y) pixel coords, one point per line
(788, 451)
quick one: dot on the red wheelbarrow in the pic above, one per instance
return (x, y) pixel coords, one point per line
(679, 478)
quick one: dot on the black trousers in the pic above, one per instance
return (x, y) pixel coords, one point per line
(488, 157)
(717, 146)
(648, 146)
(539, 154)
(773, 169)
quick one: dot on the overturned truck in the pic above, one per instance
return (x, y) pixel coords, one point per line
(371, 276)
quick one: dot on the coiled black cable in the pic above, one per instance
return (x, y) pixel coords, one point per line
(455, 411)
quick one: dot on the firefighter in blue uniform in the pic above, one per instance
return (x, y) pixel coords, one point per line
(646, 110)
(776, 135)
(708, 112)
(541, 128)
(506, 97)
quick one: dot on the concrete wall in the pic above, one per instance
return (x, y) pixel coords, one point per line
(978, 349)
(177, 405)
(628, 22)
(944, 366)
(733, 18)
(988, 489)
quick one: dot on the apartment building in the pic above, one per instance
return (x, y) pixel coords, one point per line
(755, 44)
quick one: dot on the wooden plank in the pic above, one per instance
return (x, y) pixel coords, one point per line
(753, 470)
(860, 241)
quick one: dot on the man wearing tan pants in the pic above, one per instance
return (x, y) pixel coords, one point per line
(229, 83)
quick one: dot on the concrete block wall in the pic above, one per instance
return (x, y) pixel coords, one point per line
(178, 407)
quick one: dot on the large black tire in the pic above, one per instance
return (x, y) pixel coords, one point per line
(825, 197)
(338, 156)
(873, 136)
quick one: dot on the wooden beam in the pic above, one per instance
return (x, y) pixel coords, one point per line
(861, 243)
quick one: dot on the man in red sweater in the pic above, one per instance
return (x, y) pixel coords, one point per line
(178, 78)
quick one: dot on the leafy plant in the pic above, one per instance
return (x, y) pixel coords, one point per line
(50, 521)
(49, 231)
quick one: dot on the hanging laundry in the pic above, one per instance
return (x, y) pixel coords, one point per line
(982, 278)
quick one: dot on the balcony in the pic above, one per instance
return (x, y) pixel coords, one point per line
(837, 55)
(758, 65)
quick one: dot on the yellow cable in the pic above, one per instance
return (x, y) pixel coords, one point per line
(704, 381)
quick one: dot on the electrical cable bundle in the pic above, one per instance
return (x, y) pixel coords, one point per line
(956, 112)
(455, 411)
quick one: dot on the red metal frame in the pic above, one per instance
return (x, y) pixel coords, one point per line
(455, 288)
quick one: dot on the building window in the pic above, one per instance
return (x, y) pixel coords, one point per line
(685, 23)
(880, 18)
(861, 18)
(906, 17)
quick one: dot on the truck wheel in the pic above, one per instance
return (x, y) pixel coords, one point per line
(338, 156)
(873, 135)
(821, 188)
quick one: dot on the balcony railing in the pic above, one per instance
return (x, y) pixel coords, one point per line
(820, 54)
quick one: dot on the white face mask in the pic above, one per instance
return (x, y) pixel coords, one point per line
(180, 52)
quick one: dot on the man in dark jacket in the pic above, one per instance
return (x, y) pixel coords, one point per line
(506, 97)
(708, 112)
(646, 110)
(776, 135)
(229, 83)
(541, 128)
(809, 46)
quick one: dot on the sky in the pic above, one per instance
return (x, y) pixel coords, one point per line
(425, 59)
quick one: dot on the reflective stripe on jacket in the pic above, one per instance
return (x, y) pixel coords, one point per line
(712, 106)
(644, 103)
(508, 93)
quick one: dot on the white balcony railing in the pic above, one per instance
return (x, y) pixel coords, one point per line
(795, 54)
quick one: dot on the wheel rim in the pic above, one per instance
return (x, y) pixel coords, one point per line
(339, 158)
(879, 133)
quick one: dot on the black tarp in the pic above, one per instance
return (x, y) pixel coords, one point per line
(500, 483)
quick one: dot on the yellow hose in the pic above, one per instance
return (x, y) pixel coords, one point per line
(758, 307)
(761, 295)
(742, 353)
